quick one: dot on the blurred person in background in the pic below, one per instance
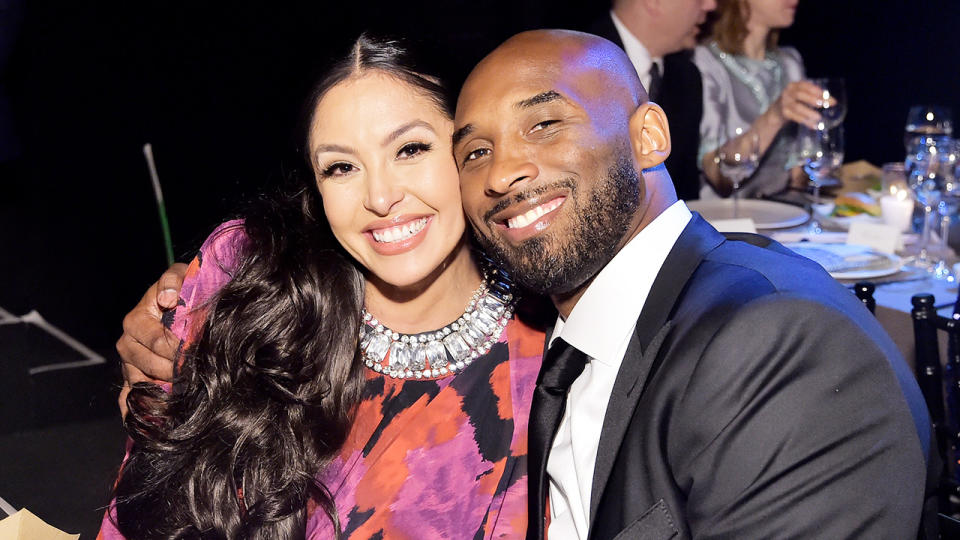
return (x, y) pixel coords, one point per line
(658, 37)
(752, 84)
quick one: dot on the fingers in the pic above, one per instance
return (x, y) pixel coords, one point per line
(799, 102)
(147, 344)
(122, 399)
(168, 287)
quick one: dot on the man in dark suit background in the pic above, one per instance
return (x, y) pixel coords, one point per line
(658, 36)
(695, 385)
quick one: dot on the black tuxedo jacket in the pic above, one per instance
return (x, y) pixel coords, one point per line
(758, 399)
(681, 96)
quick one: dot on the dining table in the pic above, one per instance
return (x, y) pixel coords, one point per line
(893, 290)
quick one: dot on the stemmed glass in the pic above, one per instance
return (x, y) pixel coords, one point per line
(949, 204)
(926, 121)
(931, 174)
(821, 151)
(738, 159)
(833, 103)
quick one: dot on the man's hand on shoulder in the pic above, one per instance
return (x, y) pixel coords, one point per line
(147, 347)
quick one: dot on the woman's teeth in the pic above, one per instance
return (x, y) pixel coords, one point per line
(398, 233)
(533, 214)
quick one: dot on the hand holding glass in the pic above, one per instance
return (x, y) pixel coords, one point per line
(833, 102)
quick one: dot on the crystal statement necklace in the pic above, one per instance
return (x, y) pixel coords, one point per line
(445, 351)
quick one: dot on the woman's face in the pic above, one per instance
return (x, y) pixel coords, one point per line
(772, 13)
(382, 155)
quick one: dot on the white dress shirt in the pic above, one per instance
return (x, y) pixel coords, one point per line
(600, 325)
(638, 54)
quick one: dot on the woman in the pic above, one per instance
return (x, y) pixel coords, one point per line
(752, 91)
(282, 423)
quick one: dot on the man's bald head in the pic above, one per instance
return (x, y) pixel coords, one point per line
(552, 129)
(598, 68)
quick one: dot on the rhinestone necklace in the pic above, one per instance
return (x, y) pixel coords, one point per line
(445, 351)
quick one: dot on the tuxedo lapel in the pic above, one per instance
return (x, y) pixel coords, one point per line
(653, 327)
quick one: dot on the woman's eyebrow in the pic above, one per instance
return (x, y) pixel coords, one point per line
(334, 148)
(395, 134)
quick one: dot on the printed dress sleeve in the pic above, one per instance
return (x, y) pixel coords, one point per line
(212, 268)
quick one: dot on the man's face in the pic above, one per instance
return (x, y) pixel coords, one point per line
(681, 19)
(546, 170)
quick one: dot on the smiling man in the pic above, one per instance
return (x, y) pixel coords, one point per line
(694, 386)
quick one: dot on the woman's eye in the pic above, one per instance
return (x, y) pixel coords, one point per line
(543, 125)
(476, 154)
(410, 150)
(337, 169)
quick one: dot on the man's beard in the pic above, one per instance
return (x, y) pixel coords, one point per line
(560, 262)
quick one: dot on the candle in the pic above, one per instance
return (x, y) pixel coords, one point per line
(897, 208)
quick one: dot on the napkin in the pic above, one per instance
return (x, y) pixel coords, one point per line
(25, 526)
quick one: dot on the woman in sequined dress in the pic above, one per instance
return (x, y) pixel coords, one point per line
(347, 365)
(752, 88)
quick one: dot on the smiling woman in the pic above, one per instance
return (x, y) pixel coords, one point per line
(359, 360)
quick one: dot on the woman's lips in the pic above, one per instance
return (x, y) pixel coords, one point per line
(399, 236)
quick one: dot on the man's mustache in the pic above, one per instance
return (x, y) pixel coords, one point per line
(517, 198)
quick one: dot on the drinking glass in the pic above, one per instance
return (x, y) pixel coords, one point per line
(821, 151)
(948, 160)
(931, 174)
(833, 103)
(738, 159)
(926, 120)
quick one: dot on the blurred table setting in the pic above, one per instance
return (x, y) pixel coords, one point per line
(888, 225)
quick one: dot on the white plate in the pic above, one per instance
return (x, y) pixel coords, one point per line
(827, 255)
(765, 214)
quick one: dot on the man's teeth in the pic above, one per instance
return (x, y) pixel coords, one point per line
(398, 233)
(533, 214)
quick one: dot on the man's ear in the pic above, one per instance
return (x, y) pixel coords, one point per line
(649, 135)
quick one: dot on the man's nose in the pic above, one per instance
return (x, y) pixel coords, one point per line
(509, 173)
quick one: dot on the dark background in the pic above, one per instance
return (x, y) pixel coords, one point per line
(216, 87)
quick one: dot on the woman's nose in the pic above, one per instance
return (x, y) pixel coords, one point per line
(383, 193)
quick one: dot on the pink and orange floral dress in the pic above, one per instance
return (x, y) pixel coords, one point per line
(432, 458)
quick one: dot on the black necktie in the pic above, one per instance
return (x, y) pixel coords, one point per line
(655, 81)
(562, 365)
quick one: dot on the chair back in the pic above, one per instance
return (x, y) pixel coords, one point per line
(864, 291)
(934, 376)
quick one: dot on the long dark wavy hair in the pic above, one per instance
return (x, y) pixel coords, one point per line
(266, 397)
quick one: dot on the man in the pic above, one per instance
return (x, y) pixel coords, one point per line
(716, 388)
(727, 390)
(658, 36)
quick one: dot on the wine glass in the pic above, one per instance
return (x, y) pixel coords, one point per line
(931, 174)
(738, 159)
(821, 151)
(833, 102)
(948, 161)
(926, 120)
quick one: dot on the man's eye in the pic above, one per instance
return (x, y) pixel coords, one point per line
(476, 154)
(337, 169)
(410, 150)
(542, 125)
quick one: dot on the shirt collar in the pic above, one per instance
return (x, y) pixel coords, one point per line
(605, 316)
(636, 51)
